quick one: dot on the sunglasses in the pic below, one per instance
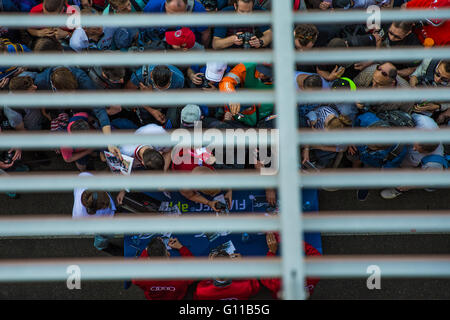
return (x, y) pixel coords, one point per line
(393, 35)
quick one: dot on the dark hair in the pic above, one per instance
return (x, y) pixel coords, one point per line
(337, 43)
(153, 160)
(312, 81)
(80, 125)
(156, 248)
(114, 73)
(161, 75)
(220, 254)
(404, 25)
(446, 64)
(306, 33)
(95, 200)
(54, 5)
(47, 44)
(20, 83)
(428, 147)
(63, 79)
(392, 71)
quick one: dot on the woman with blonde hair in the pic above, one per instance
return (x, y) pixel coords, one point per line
(324, 118)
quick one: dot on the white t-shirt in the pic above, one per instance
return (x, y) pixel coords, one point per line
(132, 149)
(413, 158)
(79, 211)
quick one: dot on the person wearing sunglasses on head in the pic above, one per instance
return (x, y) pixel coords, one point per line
(431, 73)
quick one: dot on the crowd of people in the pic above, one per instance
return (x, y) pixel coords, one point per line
(220, 76)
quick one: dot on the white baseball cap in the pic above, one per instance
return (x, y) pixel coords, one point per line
(79, 40)
(215, 71)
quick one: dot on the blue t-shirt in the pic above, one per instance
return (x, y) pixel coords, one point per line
(223, 32)
(158, 6)
(177, 81)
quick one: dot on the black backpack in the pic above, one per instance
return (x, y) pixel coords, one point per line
(396, 118)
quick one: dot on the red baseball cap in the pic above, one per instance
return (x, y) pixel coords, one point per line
(181, 37)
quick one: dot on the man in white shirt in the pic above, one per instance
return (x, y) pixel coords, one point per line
(89, 203)
(414, 157)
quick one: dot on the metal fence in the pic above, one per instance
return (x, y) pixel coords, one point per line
(291, 223)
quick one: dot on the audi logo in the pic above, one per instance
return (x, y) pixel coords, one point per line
(163, 289)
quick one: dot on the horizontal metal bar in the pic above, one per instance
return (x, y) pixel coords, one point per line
(348, 179)
(137, 20)
(355, 222)
(134, 58)
(135, 224)
(353, 55)
(383, 221)
(178, 137)
(230, 56)
(200, 268)
(183, 97)
(174, 98)
(126, 269)
(138, 181)
(428, 266)
(354, 136)
(362, 16)
(364, 136)
(219, 19)
(374, 95)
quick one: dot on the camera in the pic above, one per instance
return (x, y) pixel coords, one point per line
(205, 82)
(245, 37)
(6, 157)
(367, 40)
(210, 5)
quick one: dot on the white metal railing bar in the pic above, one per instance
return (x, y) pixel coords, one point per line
(430, 221)
(125, 223)
(356, 136)
(231, 56)
(144, 223)
(404, 266)
(290, 197)
(126, 269)
(361, 136)
(179, 98)
(137, 20)
(361, 16)
(178, 138)
(220, 19)
(374, 95)
(375, 178)
(395, 266)
(92, 99)
(134, 58)
(344, 179)
(56, 181)
(354, 54)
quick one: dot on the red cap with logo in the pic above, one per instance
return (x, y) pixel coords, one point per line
(183, 38)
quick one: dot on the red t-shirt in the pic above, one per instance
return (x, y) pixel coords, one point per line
(165, 289)
(440, 34)
(194, 158)
(274, 285)
(237, 290)
(39, 9)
